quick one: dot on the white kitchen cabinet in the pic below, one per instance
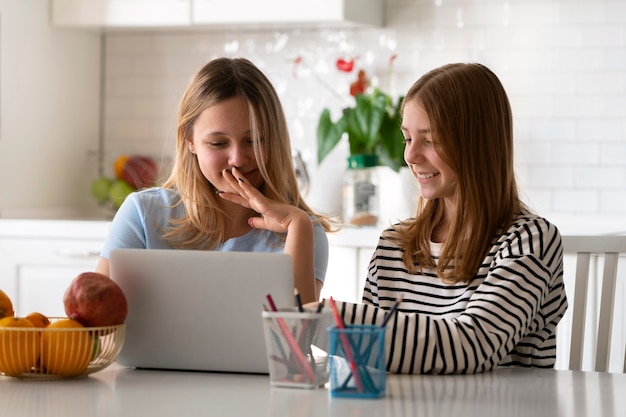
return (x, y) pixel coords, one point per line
(137, 14)
(38, 260)
(120, 13)
(350, 252)
(341, 274)
(345, 13)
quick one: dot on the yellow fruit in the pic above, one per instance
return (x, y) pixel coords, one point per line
(38, 319)
(118, 166)
(67, 348)
(100, 188)
(19, 347)
(118, 192)
(6, 306)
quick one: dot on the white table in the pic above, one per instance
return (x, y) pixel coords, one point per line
(117, 391)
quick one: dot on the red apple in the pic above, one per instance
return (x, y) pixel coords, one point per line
(93, 299)
(140, 172)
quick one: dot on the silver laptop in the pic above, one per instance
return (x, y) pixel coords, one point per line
(199, 310)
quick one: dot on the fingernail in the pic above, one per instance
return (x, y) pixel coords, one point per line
(219, 192)
(240, 179)
(250, 222)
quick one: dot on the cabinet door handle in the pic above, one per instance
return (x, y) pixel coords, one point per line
(78, 253)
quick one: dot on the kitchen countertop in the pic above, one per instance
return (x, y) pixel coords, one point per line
(52, 228)
(568, 225)
(511, 392)
(365, 237)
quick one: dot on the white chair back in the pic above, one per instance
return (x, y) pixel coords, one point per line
(591, 251)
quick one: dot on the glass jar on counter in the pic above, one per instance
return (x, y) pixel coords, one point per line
(360, 191)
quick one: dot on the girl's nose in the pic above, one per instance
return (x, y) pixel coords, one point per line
(239, 156)
(412, 153)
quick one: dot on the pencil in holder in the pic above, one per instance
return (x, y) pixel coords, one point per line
(357, 361)
(296, 347)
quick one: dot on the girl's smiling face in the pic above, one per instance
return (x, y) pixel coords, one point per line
(436, 179)
(222, 139)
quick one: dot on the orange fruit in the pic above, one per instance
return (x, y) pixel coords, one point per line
(38, 319)
(118, 166)
(19, 347)
(41, 321)
(6, 306)
(67, 348)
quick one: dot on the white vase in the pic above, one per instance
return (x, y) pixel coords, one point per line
(398, 195)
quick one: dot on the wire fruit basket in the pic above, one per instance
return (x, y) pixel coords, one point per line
(54, 353)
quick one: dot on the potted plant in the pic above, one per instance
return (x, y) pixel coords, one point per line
(371, 125)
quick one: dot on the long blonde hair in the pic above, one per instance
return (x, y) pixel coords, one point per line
(221, 79)
(472, 125)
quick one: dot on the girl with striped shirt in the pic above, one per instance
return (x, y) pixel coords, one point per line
(480, 275)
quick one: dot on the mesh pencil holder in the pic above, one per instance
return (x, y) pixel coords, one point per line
(357, 361)
(296, 347)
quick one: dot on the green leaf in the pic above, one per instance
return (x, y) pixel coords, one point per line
(372, 126)
(392, 145)
(328, 134)
(364, 123)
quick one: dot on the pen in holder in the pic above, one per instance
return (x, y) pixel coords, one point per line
(296, 347)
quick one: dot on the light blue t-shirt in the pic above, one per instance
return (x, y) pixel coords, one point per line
(143, 216)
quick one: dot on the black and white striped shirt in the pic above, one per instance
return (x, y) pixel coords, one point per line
(506, 316)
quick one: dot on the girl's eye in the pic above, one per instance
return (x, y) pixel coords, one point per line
(216, 144)
(407, 140)
(220, 144)
(259, 141)
(428, 141)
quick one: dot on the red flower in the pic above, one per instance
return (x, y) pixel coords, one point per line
(345, 65)
(359, 86)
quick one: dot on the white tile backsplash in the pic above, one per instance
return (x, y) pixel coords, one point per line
(555, 177)
(613, 199)
(562, 62)
(600, 128)
(576, 201)
(613, 178)
(580, 153)
(613, 154)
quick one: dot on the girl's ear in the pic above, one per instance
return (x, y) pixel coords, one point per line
(185, 134)
(188, 141)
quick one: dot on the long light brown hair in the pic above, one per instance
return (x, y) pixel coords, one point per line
(472, 126)
(221, 79)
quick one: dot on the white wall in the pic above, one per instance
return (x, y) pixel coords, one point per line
(563, 63)
(49, 110)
